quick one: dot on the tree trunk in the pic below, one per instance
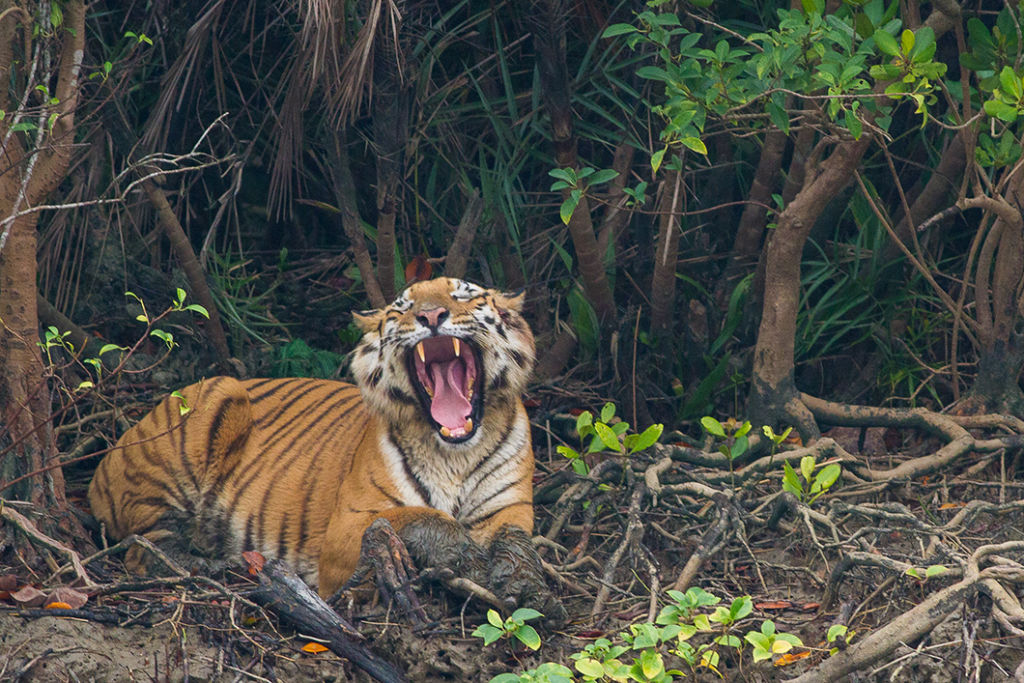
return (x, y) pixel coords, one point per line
(27, 447)
(773, 394)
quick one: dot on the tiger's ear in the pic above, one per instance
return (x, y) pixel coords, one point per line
(511, 300)
(367, 320)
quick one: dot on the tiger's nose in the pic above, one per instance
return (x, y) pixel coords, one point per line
(432, 317)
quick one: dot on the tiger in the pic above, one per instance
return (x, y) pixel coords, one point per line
(433, 438)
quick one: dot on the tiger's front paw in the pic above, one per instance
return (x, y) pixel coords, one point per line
(516, 573)
(384, 553)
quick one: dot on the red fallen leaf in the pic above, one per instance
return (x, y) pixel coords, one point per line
(531, 403)
(590, 633)
(57, 605)
(774, 604)
(810, 606)
(68, 596)
(418, 269)
(167, 599)
(314, 648)
(27, 596)
(576, 412)
(9, 582)
(255, 561)
(951, 506)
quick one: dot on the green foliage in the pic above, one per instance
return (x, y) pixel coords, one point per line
(808, 486)
(548, 672)
(684, 635)
(768, 643)
(514, 626)
(731, 435)
(299, 359)
(577, 182)
(606, 433)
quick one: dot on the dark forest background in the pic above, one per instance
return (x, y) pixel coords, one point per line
(803, 214)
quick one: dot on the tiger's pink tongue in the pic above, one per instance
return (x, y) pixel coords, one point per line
(449, 406)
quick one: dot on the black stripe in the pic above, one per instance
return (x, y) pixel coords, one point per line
(502, 440)
(395, 501)
(420, 488)
(287, 401)
(247, 540)
(282, 545)
(481, 520)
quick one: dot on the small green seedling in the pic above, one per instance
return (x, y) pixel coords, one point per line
(767, 642)
(514, 626)
(732, 434)
(836, 632)
(929, 572)
(811, 486)
(776, 439)
(548, 672)
(605, 433)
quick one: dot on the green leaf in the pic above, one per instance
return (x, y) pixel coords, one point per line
(779, 117)
(590, 668)
(696, 144)
(741, 607)
(568, 207)
(836, 631)
(828, 475)
(712, 426)
(166, 337)
(651, 663)
(179, 296)
(647, 438)
(654, 73)
(494, 619)
(1001, 110)
(618, 30)
(607, 412)
(886, 43)
(489, 633)
(603, 176)
(110, 347)
(657, 158)
(1010, 84)
(813, 6)
(807, 467)
(525, 614)
(566, 175)
(790, 480)
(853, 124)
(528, 636)
(505, 678)
(907, 41)
(607, 437)
(583, 421)
(934, 570)
(196, 308)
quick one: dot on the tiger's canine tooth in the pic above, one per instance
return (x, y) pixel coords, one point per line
(445, 432)
(469, 425)
(421, 353)
(457, 345)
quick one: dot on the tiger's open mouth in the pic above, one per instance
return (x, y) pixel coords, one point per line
(447, 374)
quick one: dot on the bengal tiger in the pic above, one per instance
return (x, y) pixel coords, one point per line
(433, 438)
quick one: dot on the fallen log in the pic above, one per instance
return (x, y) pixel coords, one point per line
(282, 591)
